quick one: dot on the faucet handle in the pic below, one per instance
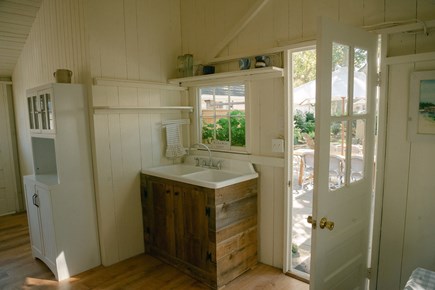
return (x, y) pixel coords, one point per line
(204, 162)
(196, 161)
(219, 164)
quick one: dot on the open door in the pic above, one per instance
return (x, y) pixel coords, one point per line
(344, 158)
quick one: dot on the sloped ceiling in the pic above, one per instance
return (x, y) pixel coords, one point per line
(16, 19)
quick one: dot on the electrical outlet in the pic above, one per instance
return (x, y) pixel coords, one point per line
(277, 145)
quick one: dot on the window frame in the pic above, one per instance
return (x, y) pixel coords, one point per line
(198, 131)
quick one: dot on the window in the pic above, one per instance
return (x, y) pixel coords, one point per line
(222, 117)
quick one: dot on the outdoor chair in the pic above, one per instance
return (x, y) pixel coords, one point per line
(308, 159)
(336, 168)
(357, 167)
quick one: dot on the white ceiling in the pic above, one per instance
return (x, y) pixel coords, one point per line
(16, 19)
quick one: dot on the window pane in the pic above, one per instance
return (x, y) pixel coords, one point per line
(50, 115)
(31, 112)
(223, 116)
(357, 153)
(339, 80)
(238, 125)
(337, 168)
(35, 109)
(360, 81)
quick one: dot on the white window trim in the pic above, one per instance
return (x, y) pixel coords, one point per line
(198, 130)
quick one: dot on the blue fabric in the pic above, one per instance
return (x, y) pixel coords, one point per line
(421, 279)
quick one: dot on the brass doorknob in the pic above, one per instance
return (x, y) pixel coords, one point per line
(324, 223)
(312, 221)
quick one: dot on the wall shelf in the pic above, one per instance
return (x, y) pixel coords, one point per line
(249, 74)
(135, 84)
(136, 110)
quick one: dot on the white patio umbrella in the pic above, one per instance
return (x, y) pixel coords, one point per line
(306, 93)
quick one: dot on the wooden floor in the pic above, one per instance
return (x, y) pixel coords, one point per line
(18, 270)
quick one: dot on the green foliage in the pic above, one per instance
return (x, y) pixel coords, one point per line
(424, 105)
(305, 122)
(304, 62)
(297, 135)
(237, 121)
(340, 57)
(336, 128)
(304, 67)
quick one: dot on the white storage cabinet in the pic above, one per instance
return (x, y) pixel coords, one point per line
(60, 194)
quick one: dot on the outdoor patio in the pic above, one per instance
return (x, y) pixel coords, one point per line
(302, 208)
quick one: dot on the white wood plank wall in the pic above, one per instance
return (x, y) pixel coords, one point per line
(407, 239)
(132, 40)
(9, 202)
(57, 40)
(140, 40)
(124, 144)
(205, 23)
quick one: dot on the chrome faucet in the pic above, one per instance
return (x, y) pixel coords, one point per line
(210, 163)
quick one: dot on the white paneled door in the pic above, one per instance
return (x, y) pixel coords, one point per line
(345, 112)
(8, 188)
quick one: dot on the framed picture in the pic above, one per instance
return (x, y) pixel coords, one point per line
(421, 121)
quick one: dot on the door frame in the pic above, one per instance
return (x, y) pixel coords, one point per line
(288, 152)
(381, 115)
(7, 93)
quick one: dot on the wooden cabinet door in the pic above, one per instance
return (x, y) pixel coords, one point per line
(162, 227)
(191, 223)
(33, 217)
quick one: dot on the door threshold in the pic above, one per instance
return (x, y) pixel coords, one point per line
(294, 276)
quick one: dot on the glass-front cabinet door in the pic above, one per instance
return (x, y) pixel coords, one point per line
(40, 111)
(47, 115)
(33, 109)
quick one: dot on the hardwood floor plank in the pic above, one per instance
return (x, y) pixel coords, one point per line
(18, 270)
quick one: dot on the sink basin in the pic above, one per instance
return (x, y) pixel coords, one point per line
(234, 171)
(178, 169)
(213, 175)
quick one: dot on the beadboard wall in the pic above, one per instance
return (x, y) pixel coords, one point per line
(140, 40)
(125, 142)
(282, 22)
(10, 189)
(130, 40)
(57, 40)
(407, 239)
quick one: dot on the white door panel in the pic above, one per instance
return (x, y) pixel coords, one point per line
(343, 190)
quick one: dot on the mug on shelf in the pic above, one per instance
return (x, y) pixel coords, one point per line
(244, 63)
(63, 76)
(262, 61)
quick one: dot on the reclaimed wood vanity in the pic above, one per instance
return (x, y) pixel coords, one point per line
(208, 233)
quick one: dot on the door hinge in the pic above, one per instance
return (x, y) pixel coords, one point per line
(378, 81)
(289, 183)
(208, 256)
(369, 273)
(207, 211)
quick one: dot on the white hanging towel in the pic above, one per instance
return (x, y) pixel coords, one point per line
(174, 148)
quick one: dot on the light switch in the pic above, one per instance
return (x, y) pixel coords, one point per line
(277, 145)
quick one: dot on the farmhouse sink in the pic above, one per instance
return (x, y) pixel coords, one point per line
(178, 169)
(232, 172)
(213, 175)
